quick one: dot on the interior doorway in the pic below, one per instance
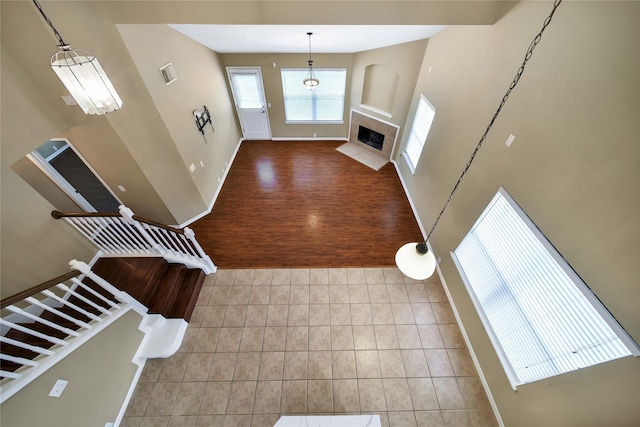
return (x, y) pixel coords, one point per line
(60, 161)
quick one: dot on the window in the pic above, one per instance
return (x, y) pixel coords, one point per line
(541, 317)
(419, 131)
(324, 104)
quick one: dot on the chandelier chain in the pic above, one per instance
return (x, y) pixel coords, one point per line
(513, 84)
(57, 34)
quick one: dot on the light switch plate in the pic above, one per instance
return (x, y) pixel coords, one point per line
(58, 388)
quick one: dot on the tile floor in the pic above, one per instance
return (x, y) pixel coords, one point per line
(265, 343)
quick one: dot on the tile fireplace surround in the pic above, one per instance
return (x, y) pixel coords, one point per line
(389, 131)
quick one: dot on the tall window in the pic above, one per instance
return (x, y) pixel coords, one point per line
(419, 130)
(541, 317)
(324, 104)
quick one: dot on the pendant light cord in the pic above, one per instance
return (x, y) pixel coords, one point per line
(310, 60)
(527, 56)
(55, 32)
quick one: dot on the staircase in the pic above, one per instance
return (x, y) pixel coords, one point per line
(170, 290)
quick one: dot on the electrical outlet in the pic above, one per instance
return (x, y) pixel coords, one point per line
(121, 188)
(58, 388)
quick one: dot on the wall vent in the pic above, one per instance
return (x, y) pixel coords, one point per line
(168, 73)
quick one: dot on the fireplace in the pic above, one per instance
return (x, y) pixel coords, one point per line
(370, 137)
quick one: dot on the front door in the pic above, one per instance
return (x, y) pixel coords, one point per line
(64, 166)
(248, 94)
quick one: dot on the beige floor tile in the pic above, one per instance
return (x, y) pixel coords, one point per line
(234, 316)
(318, 276)
(319, 365)
(205, 294)
(402, 419)
(415, 363)
(436, 292)
(461, 362)
(299, 276)
(223, 366)
(429, 419)
(206, 340)
(430, 336)
(339, 294)
(319, 396)
(298, 315)
(443, 312)
(451, 336)
(439, 364)
(297, 338)
(196, 316)
(341, 338)
(473, 393)
(154, 422)
(173, 368)
(345, 396)
(396, 393)
(358, 294)
(239, 295)
(299, 295)
(247, 366)
(356, 276)
(417, 293)
(140, 399)
(268, 395)
(188, 398)
(337, 276)
(386, 337)
(423, 394)
(367, 364)
(319, 338)
(448, 392)
(215, 397)
(219, 295)
(456, 418)
(423, 313)
(252, 337)
(237, 421)
(210, 421)
(364, 337)
(277, 315)
(241, 397)
(271, 365)
(340, 314)
(408, 280)
(198, 367)
(294, 397)
(183, 420)
(408, 337)
(264, 420)
(382, 314)
(361, 314)
(259, 295)
(374, 276)
(225, 277)
(188, 341)
(229, 340)
(391, 365)
(402, 314)
(281, 276)
(295, 365)
(482, 417)
(343, 364)
(131, 421)
(256, 315)
(384, 419)
(319, 314)
(371, 395)
(279, 294)
(213, 316)
(378, 294)
(244, 277)
(397, 293)
(392, 275)
(162, 398)
(263, 277)
(319, 294)
(275, 338)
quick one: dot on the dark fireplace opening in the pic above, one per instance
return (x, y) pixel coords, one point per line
(370, 137)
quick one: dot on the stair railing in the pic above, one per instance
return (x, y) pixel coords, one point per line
(125, 234)
(42, 325)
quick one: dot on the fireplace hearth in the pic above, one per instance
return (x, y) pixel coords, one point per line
(373, 135)
(370, 137)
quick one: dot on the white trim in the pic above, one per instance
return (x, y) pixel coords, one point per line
(258, 71)
(376, 110)
(317, 138)
(314, 122)
(406, 192)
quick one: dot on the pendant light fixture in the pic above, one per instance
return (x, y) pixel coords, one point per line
(310, 81)
(415, 260)
(82, 75)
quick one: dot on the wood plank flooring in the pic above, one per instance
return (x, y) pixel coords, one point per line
(303, 204)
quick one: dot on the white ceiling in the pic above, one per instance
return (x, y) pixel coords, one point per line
(294, 39)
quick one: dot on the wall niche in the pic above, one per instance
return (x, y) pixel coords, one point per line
(379, 89)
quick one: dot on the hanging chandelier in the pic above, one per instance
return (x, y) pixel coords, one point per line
(83, 76)
(415, 260)
(310, 81)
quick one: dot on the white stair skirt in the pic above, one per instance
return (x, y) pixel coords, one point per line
(330, 421)
(163, 336)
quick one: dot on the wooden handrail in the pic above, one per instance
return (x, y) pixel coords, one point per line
(157, 224)
(38, 288)
(58, 214)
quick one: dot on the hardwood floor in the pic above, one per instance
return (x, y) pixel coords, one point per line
(303, 204)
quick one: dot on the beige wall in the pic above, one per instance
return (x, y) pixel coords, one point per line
(574, 167)
(99, 379)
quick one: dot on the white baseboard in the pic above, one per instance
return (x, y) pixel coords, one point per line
(406, 193)
(317, 138)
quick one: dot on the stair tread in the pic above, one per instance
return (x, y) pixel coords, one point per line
(168, 289)
(135, 276)
(183, 307)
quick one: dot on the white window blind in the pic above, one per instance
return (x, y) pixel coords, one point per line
(247, 90)
(541, 317)
(419, 130)
(325, 103)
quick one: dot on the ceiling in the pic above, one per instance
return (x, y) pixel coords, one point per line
(294, 39)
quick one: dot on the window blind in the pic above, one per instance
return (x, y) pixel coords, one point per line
(419, 130)
(247, 90)
(531, 302)
(324, 103)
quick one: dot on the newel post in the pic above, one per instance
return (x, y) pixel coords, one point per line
(210, 266)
